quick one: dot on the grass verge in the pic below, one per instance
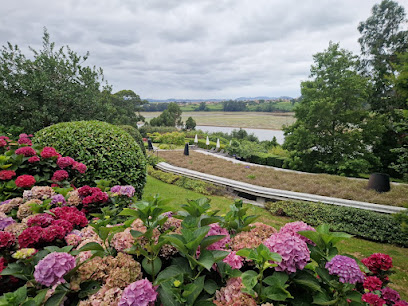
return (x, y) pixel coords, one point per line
(321, 184)
(356, 247)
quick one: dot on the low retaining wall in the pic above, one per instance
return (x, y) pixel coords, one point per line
(263, 193)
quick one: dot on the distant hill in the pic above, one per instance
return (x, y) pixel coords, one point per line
(218, 100)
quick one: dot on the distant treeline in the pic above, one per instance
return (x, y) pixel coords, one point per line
(230, 106)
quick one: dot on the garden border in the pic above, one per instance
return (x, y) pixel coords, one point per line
(263, 193)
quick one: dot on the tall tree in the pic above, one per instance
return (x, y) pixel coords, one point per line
(333, 130)
(169, 117)
(122, 107)
(51, 87)
(382, 38)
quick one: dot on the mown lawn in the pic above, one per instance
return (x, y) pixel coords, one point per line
(357, 247)
(321, 184)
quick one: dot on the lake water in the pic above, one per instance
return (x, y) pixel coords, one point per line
(262, 134)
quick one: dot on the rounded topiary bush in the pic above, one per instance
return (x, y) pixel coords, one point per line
(109, 152)
(134, 132)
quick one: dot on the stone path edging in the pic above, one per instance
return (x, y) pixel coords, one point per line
(270, 193)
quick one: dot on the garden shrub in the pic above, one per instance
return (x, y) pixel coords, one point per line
(366, 224)
(166, 177)
(267, 159)
(144, 130)
(108, 151)
(201, 144)
(134, 132)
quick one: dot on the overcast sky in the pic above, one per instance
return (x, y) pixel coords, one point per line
(192, 49)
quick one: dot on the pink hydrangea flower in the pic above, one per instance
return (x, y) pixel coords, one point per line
(59, 176)
(372, 299)
(33, 159)
(140, 293)
(346, 269)
(26, 151)
(293, 228)
(51, 269)
(216, 229)
(80, 167)
(372, 283)
(64, 162)
(234, 260)
(293, 250)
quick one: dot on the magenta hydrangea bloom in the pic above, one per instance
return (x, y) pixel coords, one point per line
(216, 229)
(293, 228)
(390, 295)
(234, 260)
(346, 269)
(127, 190)
(292, 249)
(51, 269)
(64, 162)
(140, 293)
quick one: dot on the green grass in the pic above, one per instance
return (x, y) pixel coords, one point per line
(259, 120)
(356, 247)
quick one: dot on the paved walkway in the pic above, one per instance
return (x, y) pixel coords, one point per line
(263, 193)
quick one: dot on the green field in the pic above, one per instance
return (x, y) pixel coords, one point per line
(256, 120)
(356, 247)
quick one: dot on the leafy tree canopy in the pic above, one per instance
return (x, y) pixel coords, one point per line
(51, 87)
(169, 117)
(333, 130)
(190, 124)
(382, 38)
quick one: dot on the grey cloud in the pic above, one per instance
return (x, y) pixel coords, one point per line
(188, 49)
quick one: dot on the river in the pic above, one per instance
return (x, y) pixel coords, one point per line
(262, 134)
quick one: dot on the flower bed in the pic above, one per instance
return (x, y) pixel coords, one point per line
(101, 247)
(23, 166)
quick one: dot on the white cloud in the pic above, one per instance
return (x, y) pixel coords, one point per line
(192, 49)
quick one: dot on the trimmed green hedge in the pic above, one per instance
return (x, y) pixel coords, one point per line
(135, 134)
(109, 152)
(362, 223)
(267, 159)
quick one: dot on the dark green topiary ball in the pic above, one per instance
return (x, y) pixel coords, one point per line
(107, 151)
(134, 132)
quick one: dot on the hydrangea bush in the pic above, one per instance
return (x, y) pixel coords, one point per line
(23, 165)
(100, 246)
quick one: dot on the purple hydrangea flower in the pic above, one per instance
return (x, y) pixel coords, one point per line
(292, 249)
(5, 202)
(140, 293)
(127, 190)
(346, 269)
(293, 228)
(233, 260)
(58, 199)
(391, 296)
(50, 270)
(4, 222)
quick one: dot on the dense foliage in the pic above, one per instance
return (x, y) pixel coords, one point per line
(333, 132)
(366, 224)
(190, 124)
(142, 253)
(107, 151)
(54, 85)
(169, 117)
(134, 132)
